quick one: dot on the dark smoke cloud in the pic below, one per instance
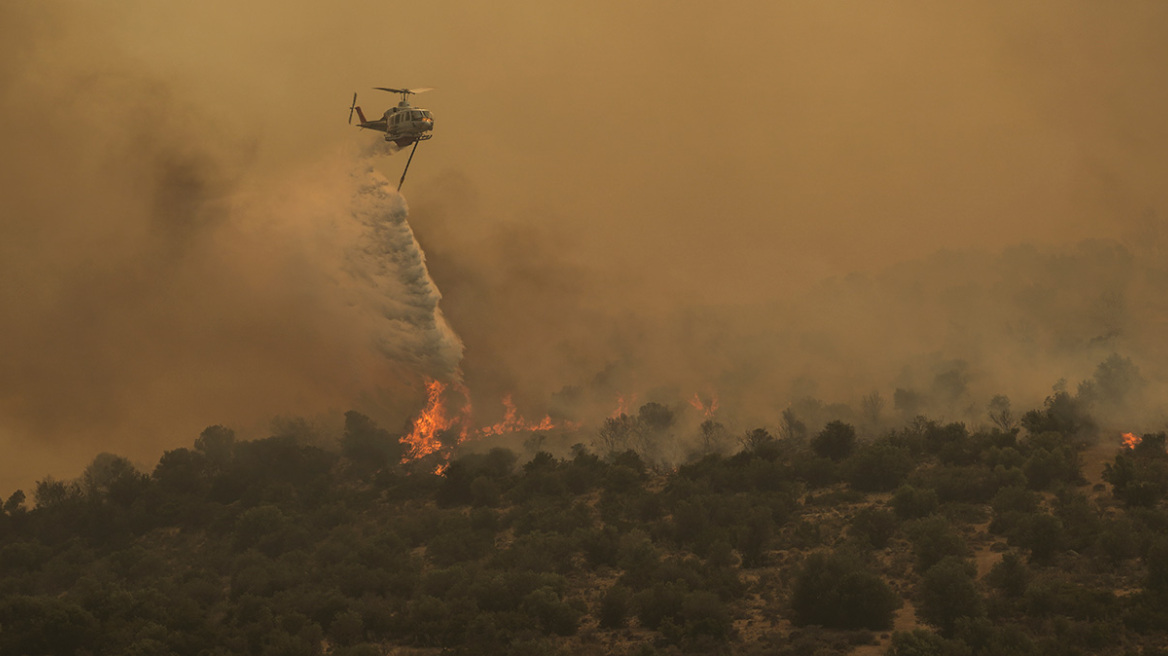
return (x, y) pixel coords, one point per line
(156, 282)
(773, 201)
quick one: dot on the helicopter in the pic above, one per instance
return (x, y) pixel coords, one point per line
(403, 124)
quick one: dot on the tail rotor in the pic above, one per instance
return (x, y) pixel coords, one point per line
(352, 107)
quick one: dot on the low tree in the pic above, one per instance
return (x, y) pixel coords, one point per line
(1010, 575)
(618, 434)
(1139, 475)
(1060, 413)
(948, 593)
(368, 447)
(934, 540)
(713, 435)
(874, 527)
(835, 441)
(614, 607)
(44, 625)
(836, 590)
(920, 642)
(755, 439)
(878, 467)
(912, 502)
(113, 478)
(1000, 413)
(1156, 561)
(791, 428)
(655, 417)
(217, 443)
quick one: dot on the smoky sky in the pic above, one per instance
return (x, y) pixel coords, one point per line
(770, 200)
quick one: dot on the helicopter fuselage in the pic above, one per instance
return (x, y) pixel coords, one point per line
(406, 124)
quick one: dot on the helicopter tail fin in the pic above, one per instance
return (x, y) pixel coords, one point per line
(361, 115)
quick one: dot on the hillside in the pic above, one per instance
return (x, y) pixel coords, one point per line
(929, 539)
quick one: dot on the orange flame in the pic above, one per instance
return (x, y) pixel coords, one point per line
(1131, 440)
(623, 405)
(707, 409)
(423, 439)
(514, 422)
(434, 419)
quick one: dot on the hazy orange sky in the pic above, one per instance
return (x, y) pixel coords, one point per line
(598, 170)
(763, 142)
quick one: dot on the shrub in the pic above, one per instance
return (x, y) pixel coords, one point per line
(1010, 575)
(878, 467)
(1139, 476)
(913, 503)
(1011, 505)
(947, 593)
(660, 601)
(815, 471)
(1041, 533)
(966, 484)
(933, 540)
(754, 537)
(920, 642)
(1046, 468)
(44, 625)
(1061, 413)
(704, 615)
(1156, 561)
(836, 591)
(874, 527)
(367, 447)
(835, 441)
(553, 614)
(614, 607)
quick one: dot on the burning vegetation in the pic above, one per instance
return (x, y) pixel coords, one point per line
(809, 541)
(438, 430)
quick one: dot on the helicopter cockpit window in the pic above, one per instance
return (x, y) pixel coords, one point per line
(417, 116)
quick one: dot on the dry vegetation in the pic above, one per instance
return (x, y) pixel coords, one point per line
(926, 539)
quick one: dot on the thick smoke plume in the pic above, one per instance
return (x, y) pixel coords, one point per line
(865, 208)
(155, 281)
(941, 335)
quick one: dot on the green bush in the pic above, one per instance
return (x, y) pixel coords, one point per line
(1010, 575)
(913, 503)
(933, 540)
(614, 607)
(836, 590)
(1139, 476)
(878, 467)
(947, 593)
(44, 625)
(920, 642)
(874, 527)
(966, 484)
(1047, 468)
(835, 441)
(1041, 533)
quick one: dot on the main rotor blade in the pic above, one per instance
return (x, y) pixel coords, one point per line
(421, 90)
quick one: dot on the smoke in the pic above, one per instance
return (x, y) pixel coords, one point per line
(940, 335)
(387, 275)
(827, 207)
(157, 281)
